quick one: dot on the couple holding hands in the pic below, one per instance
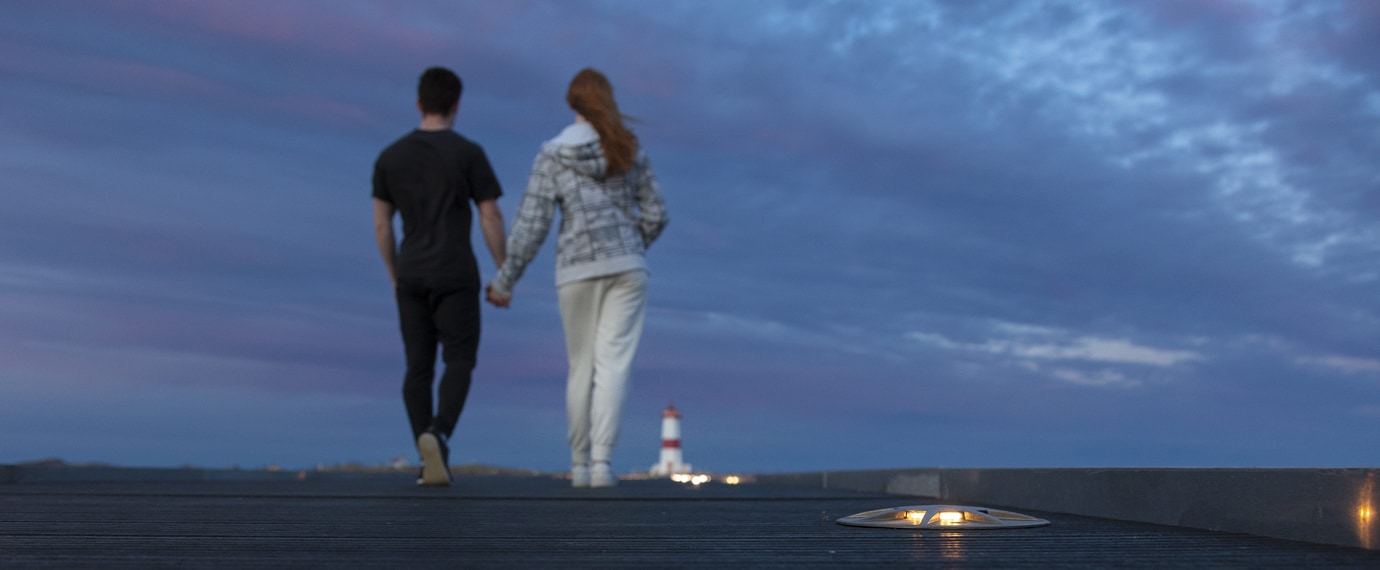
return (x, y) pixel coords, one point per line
(611, 210)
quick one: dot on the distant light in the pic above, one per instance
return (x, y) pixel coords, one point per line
(695, 480)
(732, 480)
(943, 517)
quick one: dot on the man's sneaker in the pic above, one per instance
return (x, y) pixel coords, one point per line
(600, 475)
(435, 469)
(579, 476)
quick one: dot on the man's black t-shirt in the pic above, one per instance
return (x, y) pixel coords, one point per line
(431, 177)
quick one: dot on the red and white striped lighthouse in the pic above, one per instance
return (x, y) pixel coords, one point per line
(672, 461)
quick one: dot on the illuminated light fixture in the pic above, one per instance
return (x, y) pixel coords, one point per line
(942, 517)
(695, 480)
(732, 480)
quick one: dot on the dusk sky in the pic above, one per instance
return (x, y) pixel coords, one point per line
(903, 234)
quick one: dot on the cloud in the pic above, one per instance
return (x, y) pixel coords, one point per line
(1033, 342)
(1103, 378)
(1098, 350)
(1346, 364)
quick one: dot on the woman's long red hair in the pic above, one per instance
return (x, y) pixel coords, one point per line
(591, 95)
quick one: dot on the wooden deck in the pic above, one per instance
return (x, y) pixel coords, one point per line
(383, 521)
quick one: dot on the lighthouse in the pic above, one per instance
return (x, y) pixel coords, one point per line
(672, 461)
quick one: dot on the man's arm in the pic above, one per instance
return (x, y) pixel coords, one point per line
(383, 234)
(491, 223)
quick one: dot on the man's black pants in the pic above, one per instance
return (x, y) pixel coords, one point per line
(429, 315)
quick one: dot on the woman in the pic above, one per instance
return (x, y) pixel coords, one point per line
(611, 211)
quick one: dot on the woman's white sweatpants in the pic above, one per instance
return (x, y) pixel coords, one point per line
(603, 324)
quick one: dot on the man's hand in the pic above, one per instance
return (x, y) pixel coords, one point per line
(500, 301)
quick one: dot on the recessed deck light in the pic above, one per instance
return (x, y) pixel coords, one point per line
(941, 517)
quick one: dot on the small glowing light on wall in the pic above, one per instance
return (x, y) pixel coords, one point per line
(699, 480)
(732, 480)
(947, 517)
(1365, 514)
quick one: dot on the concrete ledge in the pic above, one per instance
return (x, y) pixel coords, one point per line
(1329, 506)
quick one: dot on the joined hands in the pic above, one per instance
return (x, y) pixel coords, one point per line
(498, 300)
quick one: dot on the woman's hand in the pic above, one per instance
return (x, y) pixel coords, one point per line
(498, 300)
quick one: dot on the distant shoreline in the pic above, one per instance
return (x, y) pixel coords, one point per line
(54, 463)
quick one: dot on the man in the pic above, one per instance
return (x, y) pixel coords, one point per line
(430, 176)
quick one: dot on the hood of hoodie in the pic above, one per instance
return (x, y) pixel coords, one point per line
(577, 147)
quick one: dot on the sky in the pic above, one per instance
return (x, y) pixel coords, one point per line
(903, 234)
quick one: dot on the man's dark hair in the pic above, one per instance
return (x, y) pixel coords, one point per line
(439, 90)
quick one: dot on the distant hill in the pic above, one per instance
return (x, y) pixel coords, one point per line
(470, 469)
(56, 462)
(480, 469)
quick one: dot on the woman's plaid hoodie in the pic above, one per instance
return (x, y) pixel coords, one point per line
(607, 222)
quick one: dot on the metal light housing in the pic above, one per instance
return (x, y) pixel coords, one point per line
(941, 517)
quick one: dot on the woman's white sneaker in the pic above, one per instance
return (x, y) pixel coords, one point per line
(600, 475)
(579, 476)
